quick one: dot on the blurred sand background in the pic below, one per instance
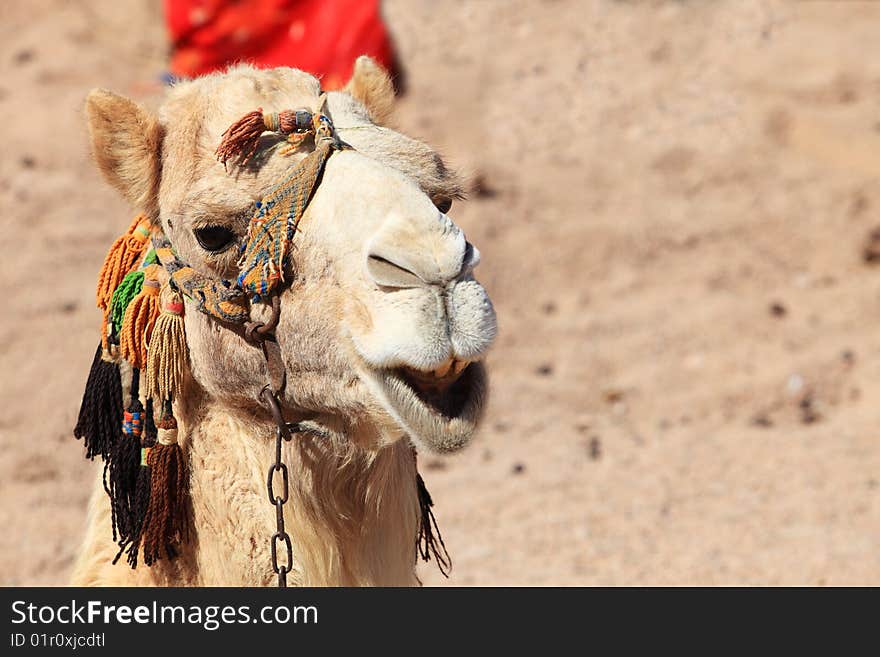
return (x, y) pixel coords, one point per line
(672, 200)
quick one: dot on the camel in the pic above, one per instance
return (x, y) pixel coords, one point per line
(383, 332)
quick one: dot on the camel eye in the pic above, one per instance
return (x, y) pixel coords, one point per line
(443, 204)
(214, 238)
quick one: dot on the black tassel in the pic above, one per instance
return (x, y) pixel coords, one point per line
(427, 542)
(101, 408)
(141, 499)
(121, 471)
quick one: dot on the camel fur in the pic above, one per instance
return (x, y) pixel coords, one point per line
(381, 299)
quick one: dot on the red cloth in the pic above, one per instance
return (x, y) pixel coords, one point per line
(323, 37)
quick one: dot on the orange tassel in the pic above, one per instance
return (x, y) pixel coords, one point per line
(123, 256)
(140, 318)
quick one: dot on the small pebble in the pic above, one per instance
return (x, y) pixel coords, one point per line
(871, 249)
(595, 447)
(23, 56)
(809, 414)
(762, 420)
(859, 204)
(612, 396)
(549, 308)
(518, 468)
(778, 310)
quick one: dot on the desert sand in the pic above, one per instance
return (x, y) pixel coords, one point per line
(672, 200)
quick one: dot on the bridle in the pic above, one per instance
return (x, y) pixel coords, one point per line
(263, 262)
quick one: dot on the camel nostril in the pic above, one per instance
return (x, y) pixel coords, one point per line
(471, 258)
(391, 274)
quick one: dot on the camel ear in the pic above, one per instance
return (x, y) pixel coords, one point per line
(371, 85)
(126, 143)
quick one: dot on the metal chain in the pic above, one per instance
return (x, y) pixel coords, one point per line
(282, 433)
(262, 334)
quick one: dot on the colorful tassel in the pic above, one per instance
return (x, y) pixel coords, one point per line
(166, 524)
(242, 138)
(141, 498)
(123, 256)
(127, 290)
(121, 470)
(140, 318)
(167, 351)
(101, 408)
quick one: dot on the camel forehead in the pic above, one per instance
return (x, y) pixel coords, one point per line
(196, 113)
(214, 101)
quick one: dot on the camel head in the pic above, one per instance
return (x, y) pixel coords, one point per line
(383, 326)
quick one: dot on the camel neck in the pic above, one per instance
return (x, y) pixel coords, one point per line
(352, 513)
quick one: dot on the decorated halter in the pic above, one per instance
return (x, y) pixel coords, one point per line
(140, 293)
(266, 252)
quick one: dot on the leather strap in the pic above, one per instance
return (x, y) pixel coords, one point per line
(274, 363)
(263, 334)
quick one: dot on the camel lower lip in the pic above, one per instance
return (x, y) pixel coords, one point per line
(443, 420)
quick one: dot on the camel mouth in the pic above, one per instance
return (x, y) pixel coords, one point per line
(439, 409)
(439, 389)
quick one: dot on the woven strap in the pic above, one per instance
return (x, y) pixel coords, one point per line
(215, 297)
(278, 215)
(267, 251)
